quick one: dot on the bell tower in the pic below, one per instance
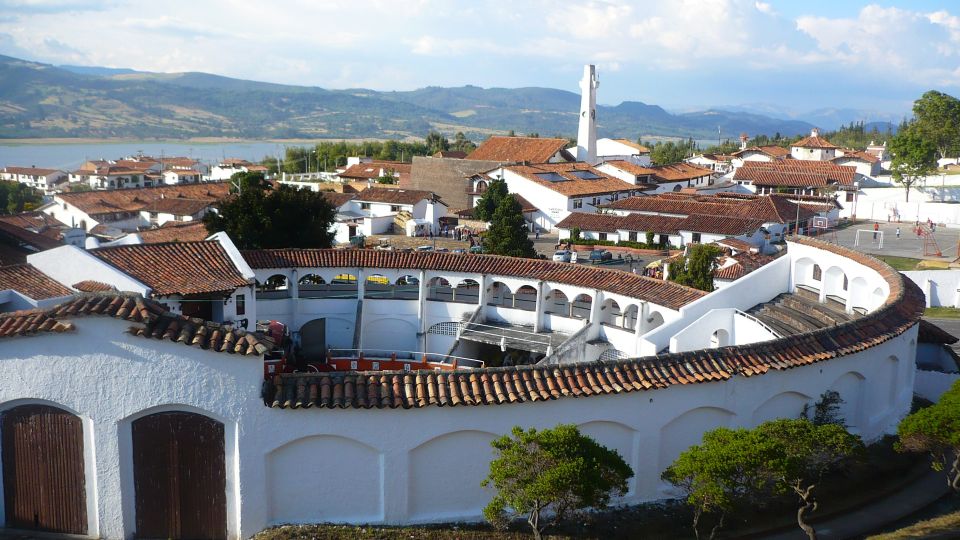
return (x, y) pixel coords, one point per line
(587, 133)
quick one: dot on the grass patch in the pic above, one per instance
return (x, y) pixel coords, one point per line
(900, 263)
(933, 265)
(945, 526)
(941, 312)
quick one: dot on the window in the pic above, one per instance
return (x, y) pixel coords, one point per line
(153, 216)
(696, 238)
(595, 201)
(577, 203)
(178, 218)
(849, 196)
(817, 273)
(632, 236)
(845, 284)
(241, 304)
(603, 236)
(394, 208)
(365, 206)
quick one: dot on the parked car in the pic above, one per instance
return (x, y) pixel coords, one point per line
(424, 248)
(476, 249)
(561, 256)
(443, 250)
(459, 251)
(599, 255)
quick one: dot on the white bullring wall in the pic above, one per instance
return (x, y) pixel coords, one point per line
(392, 465)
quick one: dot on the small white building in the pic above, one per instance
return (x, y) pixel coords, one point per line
(181, 176)
(228, 167)
(620, 150)
(46, 180)
(866, 164)
(660, 179)
(558, 189)
(163, 210)
(115, 177)
(814, 148)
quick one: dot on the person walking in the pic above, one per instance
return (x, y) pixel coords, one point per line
(898, 232)
(876, 227)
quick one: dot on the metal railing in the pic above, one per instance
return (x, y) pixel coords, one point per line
(400, 356)
(763, 325)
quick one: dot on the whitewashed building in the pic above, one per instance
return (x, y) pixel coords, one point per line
(46, 180)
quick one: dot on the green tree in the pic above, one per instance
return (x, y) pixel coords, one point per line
(826, 410)
(507, 234)
(16, 197)
(937, 119)
(488, 202)
(720, 474)
(243, 181)
(696, 268)
(462, 144)
(914, 157)
(776, 458)
(436, 142)
(666, 153)
(555, 471)
(387, 177)
(259, 217)
(936, 430)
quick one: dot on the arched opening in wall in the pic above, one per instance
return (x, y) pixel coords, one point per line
(377, 287)
(179, 476)
(860, 298)
(720, 338)
(311, 286)
(275, 286)
(806, 277)
(499, 295)
(313, 340)
(783, 405)
(653, 320)
(630, 317)
(834, 287)
(687, 429)
(481, 186)
(343, 286)
(439, 290)
(407, 288)
(467, 292)
(850, 387)
(580, 307)
(879, 297)
(610, 313)
(557, 303)
(677, 187)
(44, 482)
(525, 298)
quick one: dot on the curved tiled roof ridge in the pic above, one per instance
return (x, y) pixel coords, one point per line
(157, 321)
(491, 386)
(664, 293)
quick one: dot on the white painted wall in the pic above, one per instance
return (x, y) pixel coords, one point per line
(941, 287)
(932, 384)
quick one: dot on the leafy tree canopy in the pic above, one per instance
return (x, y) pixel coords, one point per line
(937, 120)
(16, 197)
(259, 216)
(914, 157)
(936, 430)
(507, 234)
(665, 153)
(488, 202)
(696, 268)
(556, 471)
(437, 142)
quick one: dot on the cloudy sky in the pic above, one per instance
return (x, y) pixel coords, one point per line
(681, 54)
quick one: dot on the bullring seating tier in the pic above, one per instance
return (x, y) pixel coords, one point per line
(791, 314)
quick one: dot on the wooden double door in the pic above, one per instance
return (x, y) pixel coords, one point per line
(179, 476)
(44, 487)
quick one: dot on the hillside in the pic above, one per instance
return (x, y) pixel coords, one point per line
(39, 100)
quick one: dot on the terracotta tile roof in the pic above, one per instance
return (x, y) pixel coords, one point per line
(28, 237)
(35, 221)
(32, 171)
(133, 200)
(451, 154)
(795, 173)
(176, 267)
(677, 172)
(684, 206)
(613, 223)
(726, 225)
(742, 264)
(31, 282)
(638, 147)
(173, 231)
(336, 199)
(737, 244)
(632, 168)
(93, 286)
(857, 155)
(178, 206)
(393, 196)
(518, 149)
(931, 333)
(372, 170)
(814, 141)
(157, 323)
(660, 292)
(771, 150)
(563, 178)
(519, 384)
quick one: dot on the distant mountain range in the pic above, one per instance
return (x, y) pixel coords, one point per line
(39, 100)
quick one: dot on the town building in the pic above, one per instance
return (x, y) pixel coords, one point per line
(718, 163)
(557, 189)
(367, 171)
(814, 148)
(509, 150)
(662, 178)
(225, 169)
(797, 176)
(45, 180)
(449, 178)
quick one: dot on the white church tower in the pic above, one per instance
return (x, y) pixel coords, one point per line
(587, 134)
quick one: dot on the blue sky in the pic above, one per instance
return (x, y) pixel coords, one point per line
(779, 57)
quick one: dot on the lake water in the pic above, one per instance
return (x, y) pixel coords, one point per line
(69, 156)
